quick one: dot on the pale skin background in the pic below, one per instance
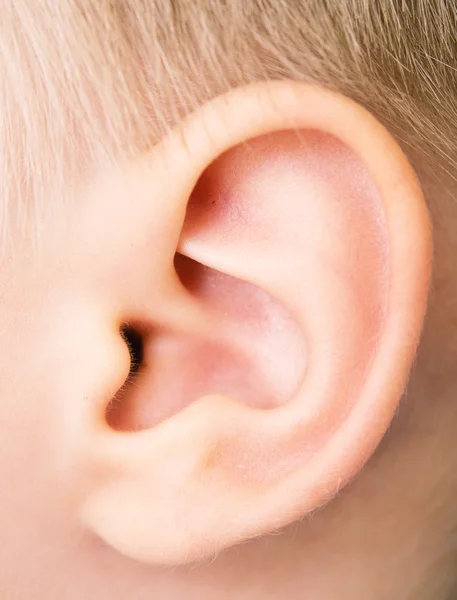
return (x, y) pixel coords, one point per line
(241, 460)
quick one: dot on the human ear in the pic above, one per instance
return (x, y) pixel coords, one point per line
(277, 255)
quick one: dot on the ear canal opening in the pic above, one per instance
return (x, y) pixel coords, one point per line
(255, 355)
(135, 344)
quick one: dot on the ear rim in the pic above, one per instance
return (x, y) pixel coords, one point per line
(281, 105)
(392, 174)
(402, 201)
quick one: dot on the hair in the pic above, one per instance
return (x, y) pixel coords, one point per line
(93, 82)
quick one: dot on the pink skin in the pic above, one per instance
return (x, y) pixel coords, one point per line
(294, 235)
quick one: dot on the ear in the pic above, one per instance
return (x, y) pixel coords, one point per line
(277, 258)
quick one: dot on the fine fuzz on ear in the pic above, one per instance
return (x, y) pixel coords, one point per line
(277, 271)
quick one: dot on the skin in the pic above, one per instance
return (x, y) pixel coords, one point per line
(326, 504)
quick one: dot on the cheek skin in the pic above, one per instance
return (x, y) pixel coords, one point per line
(46, 327)
(29, 508)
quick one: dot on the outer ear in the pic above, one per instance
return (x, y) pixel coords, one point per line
(318, 224)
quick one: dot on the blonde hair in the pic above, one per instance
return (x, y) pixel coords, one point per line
(92, 81)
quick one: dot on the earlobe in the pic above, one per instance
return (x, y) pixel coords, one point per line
(306, 243)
